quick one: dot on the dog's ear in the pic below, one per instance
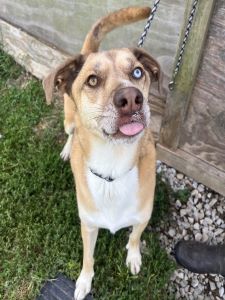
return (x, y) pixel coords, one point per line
(63, 77)
(150, 65)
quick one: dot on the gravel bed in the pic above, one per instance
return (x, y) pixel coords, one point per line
(201, 218)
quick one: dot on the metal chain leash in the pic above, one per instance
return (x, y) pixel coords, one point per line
(149, 22)
(187, 31)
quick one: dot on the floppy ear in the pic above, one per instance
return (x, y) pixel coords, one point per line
(63, 77)
(150, 65)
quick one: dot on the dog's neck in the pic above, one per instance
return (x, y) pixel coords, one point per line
(106, 158)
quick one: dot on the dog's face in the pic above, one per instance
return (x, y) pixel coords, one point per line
(110, 90)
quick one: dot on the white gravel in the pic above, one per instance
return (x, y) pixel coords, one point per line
(201, 218)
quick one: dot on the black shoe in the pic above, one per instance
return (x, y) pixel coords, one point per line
(201, 258)
(60, 288)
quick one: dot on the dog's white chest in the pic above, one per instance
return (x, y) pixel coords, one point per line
(116, 201)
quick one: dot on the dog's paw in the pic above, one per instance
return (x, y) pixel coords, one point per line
(83, 286)
(133, 261)
(65, 154)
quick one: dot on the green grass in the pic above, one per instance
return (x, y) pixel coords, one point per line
(182, 195)
(39, 224)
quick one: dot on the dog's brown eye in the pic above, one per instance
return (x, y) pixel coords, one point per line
(137, 73)
(92, 81)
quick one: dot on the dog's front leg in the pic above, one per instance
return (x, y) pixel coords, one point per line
(83, 284)
(133, 260)
(69, 125)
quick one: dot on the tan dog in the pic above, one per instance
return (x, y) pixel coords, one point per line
(112, 153)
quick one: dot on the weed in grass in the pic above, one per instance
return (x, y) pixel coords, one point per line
(39, 223)
(182, 195)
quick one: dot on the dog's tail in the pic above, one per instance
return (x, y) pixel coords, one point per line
(111, 21)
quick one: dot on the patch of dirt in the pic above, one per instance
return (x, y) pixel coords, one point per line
(21, 82)
(22, 292)
(52, 121)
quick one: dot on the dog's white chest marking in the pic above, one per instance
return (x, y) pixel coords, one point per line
(116, 201)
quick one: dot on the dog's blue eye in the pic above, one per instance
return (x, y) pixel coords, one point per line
(137, 73)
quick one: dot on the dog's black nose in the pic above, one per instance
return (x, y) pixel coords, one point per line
(128, 100)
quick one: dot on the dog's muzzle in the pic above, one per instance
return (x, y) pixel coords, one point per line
(128, 102)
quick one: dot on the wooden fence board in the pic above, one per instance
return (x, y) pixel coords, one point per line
(203, 132)
(220, 13)
(178, 99)
(64, 23)
(38, 58)
(193, 167)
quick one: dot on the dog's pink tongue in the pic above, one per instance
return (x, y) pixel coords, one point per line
(131, 128)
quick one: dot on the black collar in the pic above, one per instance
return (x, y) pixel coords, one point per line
(108, 178)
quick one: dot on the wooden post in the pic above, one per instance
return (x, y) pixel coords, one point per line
(178, 99)
(38, 58)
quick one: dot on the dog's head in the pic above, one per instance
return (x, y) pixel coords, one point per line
(110, 90)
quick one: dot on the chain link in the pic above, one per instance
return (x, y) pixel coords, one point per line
(182, 48)
(148, 24)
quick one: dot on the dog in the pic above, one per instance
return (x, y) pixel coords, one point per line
(111, 148)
